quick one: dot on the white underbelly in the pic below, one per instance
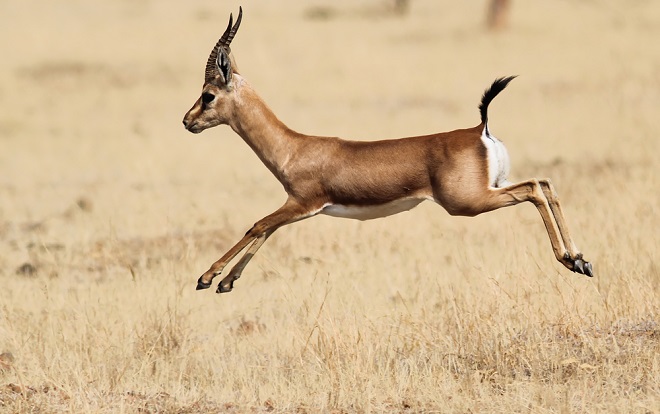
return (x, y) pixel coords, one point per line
(373, 211)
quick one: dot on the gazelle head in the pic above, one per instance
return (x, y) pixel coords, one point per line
(214, 106)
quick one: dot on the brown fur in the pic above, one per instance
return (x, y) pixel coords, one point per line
(450, 168)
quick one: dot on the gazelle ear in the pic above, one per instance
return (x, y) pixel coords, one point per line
(224, 66)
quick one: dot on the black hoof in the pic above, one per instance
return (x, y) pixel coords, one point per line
(582, 266)
(201, 285)
(224, 289)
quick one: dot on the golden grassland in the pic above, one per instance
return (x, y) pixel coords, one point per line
(109, 211)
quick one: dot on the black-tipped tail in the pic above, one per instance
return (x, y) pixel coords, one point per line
(490, 94)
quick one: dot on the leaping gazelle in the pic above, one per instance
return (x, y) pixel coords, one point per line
(465, 171)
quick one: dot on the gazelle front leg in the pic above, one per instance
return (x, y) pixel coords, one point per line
(227, 284)
(290, 212)
(543, 196)
(205, 280)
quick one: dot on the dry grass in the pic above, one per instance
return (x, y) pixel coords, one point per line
(109, 212)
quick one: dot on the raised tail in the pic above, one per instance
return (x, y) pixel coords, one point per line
(490, 94)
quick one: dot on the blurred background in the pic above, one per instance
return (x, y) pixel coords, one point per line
(92, 93)
(105, 199)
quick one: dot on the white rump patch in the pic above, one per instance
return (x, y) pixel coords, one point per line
(371, 212)
(498, 160)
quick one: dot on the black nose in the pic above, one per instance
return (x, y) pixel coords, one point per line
(185, 123)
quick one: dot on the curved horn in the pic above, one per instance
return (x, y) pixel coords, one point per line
(234, 29)
(224, 41)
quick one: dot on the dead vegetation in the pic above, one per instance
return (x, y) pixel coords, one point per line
(109, 211)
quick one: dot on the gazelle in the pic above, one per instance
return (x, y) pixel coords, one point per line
(465, 171)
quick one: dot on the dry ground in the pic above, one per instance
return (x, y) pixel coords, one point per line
(110, 210)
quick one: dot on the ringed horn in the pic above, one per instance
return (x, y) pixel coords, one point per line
(223, 42)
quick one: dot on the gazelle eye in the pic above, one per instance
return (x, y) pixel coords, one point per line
(207, 98)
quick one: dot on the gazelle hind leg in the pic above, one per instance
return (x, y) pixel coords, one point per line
(553, 201)
(532, 191)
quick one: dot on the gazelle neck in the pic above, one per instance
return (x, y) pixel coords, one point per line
(255, 122)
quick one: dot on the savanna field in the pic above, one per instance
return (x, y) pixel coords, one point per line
(110, 210)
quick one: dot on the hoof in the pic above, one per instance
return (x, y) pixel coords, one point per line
(583, 267)
(224, 289)
(201, 285)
